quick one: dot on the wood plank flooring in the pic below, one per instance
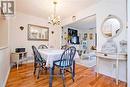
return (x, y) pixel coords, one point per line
(85, 77)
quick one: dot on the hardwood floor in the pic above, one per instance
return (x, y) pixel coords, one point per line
(84, 78)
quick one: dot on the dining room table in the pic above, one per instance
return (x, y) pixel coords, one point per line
(51, 55)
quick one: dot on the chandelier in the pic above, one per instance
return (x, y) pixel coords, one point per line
(54, 19)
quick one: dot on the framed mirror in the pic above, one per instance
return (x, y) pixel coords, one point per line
(111, 26)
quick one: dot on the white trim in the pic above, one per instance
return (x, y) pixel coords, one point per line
(3, 47)
(6, 78)
(7, 70)
(128, 35)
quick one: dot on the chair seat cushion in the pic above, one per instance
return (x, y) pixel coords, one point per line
(64, 63)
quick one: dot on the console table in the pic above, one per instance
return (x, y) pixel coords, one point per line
(18, 57)
(114, 56)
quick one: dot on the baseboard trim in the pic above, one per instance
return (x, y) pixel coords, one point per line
(4, 84)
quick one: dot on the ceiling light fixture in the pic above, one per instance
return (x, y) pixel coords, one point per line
(54, 19)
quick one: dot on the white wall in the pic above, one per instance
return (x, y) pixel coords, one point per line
(55, 38)
(65, 34)
(19, 38)
(106, 7)
(89, 42)
(91, 10)
(4, 52)
(4, 66)
(103, 9)
(81, 35)
(128, 34)
(3, 32)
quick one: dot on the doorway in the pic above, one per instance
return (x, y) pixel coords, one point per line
(82, 34)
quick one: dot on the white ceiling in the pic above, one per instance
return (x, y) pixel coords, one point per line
(86, 23)
(44, 8)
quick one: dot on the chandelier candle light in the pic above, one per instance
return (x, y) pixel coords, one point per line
(53, 19)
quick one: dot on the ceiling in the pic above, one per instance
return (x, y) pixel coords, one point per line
(86, 23)
(44, 8)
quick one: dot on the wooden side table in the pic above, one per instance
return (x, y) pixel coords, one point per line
(18, 57)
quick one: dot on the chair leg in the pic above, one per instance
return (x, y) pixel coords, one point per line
(34, 68)
(39, 72)
(63, 78)
(72, 73)
(46, 70)
(44, 67)
(53, 71)
(51, 76)
(60, 71)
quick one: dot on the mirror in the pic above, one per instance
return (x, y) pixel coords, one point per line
(111, 26)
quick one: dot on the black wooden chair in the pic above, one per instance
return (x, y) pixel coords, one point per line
(39, 62)
(42, 47)
(65, 62)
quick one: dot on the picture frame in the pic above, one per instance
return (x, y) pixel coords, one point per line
(91, 36)
(38, 33)
(85, 36)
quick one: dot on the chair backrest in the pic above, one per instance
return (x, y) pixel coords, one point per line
(37, 55)
(42, 47)
(68, 56)
(64, 47)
